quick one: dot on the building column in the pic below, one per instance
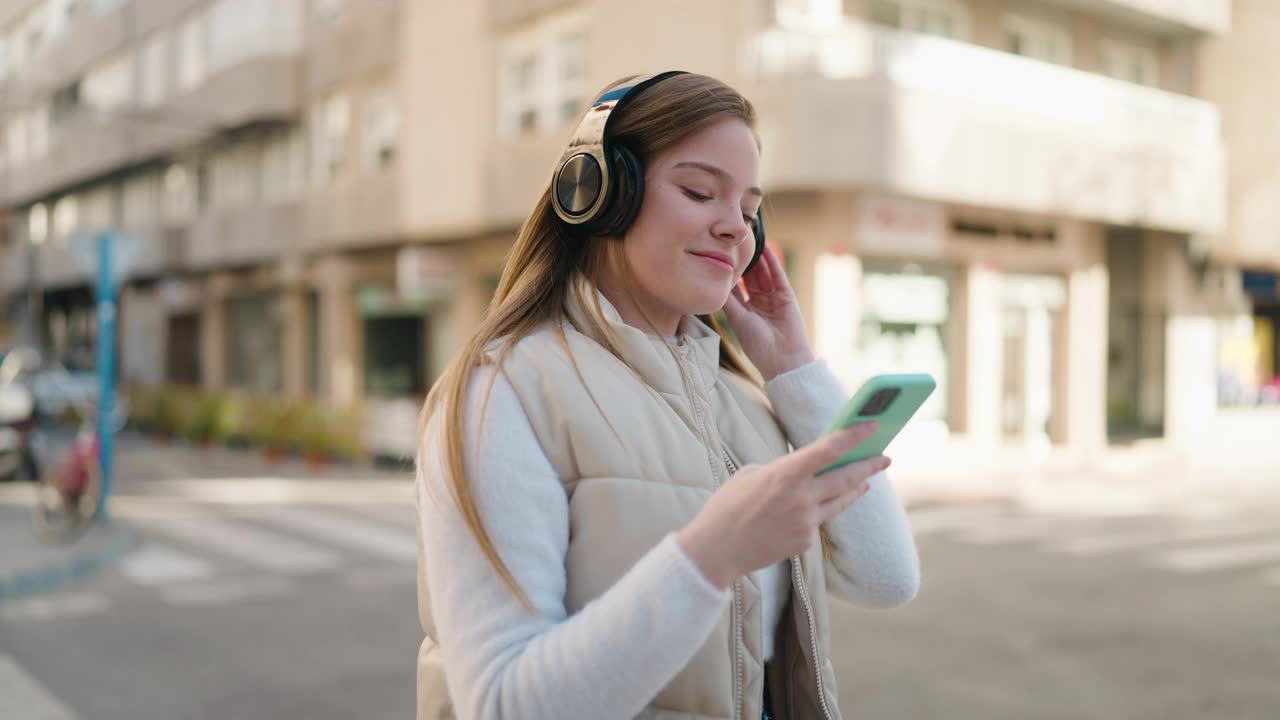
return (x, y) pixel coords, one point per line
(981, 357)
(213, 332)
(142, 333)
(293, 319)
(340, 346)
(1191, 403)
(1083, 375)
(837, 296)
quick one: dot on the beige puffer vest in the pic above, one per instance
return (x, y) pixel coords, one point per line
(639, 456)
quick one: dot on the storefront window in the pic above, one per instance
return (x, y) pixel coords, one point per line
(904, 329)
(395, 355)
(254, 334)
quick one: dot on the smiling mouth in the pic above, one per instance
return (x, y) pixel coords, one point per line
(719, 262)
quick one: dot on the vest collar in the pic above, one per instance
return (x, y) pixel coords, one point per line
(651, 355)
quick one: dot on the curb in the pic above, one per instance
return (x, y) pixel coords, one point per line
(57, 576)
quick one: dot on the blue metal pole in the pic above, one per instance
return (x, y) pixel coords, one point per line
(106, 362)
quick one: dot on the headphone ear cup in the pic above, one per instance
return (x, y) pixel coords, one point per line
(758, 232)
(625, 195)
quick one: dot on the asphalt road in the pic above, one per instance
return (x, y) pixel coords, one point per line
(274, 597)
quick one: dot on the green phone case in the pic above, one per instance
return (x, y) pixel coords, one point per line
(913, 390)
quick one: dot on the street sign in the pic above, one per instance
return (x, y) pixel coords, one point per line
(425, 273)
(124, 253)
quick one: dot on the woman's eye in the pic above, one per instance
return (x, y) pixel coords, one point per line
(696, 195)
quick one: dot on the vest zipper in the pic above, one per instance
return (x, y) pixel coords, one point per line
(804, 600)
(736, 615)
(732, 467)
(798, 576)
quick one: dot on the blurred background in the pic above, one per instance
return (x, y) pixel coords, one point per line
(1066, 211)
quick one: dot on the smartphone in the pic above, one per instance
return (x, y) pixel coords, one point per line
(890, 400)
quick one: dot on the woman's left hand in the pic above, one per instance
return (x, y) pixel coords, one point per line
(767, 321)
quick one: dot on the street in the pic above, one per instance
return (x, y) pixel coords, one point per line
(276, 595)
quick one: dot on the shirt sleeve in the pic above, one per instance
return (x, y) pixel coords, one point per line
(873, 560)
(608, 660)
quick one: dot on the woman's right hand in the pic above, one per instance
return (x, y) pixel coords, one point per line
(767, 513)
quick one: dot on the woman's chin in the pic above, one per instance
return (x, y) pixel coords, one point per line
(709, 305)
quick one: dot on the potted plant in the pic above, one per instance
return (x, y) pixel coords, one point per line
(266, 428)
(163, 415)
(315, 438)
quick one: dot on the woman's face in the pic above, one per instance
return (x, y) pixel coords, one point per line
(692, 238)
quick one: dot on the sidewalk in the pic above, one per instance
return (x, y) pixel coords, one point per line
(1144, 477)
(29, 566)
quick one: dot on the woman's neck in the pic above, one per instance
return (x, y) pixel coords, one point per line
(637, 313)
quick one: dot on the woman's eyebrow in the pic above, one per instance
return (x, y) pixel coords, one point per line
(718, 172)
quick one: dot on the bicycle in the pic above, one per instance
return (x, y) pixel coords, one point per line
(68, 495)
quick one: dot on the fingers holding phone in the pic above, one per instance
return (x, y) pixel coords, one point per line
(767, 513)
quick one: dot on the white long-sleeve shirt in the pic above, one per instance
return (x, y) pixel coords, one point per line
(612, 657)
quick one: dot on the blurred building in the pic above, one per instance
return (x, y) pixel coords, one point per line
(1026, 199)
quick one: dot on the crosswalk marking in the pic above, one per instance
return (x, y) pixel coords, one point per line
(400, 514)
(57, 606)
(379, 578)
(343, 529)
(226, 592)
(1013, 530)
(253, 546)
(1220, 557)
(23, 696)
(156, 564)
(1123, 540)
(932, 520)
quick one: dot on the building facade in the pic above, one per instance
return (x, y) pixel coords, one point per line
(1026, 199)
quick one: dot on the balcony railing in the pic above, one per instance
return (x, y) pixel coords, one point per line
(927, 116)
(1210, 16)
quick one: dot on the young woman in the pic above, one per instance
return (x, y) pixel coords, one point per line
(620, 515)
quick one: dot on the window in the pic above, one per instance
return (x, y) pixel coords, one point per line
(380, 129)
(395, 355)
(233, 177)
(543, 77)
(61, 14)
(330, 123)
(521, 95)
(237, 30)
(330, 10)
(808, 14)
(1130, 63)
(1037, 39)
(254, 343)
(65, 216)
(155, 70)
(38, 132)
(569, 91)
(944, 18)
(178, 195)
(38, 223)
(65, 105)
(110, 85)
(283, 162)
(97, 212)
(192, 52)
(140, 209)
(33, 32)
(16, 134)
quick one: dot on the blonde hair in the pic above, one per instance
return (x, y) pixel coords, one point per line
(546, 257)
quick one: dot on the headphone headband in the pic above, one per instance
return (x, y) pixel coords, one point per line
(583, 181)
(599, 185)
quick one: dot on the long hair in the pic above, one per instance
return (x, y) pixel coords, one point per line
(548, 254)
